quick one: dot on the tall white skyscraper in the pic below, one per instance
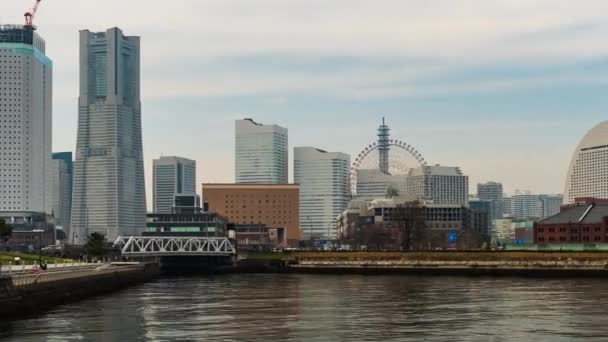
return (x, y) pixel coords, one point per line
(446, 185)
(61, 190)
(262, 154)
(25, 122)
(109, 195)
(588, 172)
(172, 176)
(324, 190)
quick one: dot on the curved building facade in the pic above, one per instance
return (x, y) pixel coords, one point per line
(588, 172)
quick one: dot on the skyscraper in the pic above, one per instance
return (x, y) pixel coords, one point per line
(25, 122)
(172, 176)
(324, 190)
(261, 153)
(493, 192)
(109, 195)
(588, 172)
(61, 189)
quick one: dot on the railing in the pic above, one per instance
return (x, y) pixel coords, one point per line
(46, 277)
(11, 269)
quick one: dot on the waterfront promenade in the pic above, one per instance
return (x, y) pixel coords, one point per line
(26, 293)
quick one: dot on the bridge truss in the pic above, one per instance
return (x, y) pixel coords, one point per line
(174, 246)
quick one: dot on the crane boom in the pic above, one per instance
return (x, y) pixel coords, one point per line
(29, 16)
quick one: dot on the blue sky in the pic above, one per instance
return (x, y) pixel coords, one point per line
(504, 89)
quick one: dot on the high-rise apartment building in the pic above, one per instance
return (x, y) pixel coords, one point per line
(588, 172)
(261, 153)
(492, 192)
(525, 205)
(324, 190)
(25, 122)
(551, 204)
(446, 185)
(61, 189)
(109, 195)
(172, 176)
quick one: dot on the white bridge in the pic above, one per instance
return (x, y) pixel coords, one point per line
(174, 246)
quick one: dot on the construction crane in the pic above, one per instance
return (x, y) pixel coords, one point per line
(29, 16)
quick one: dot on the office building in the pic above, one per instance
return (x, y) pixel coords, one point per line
(109, 195)
(261, 153)
(276, 206)
(171, 176)
(185, 218)
(26, 75)
(324, 190)
(493, 192)
(588, 172)
(446, 185)
(480, 216)
(61, 189)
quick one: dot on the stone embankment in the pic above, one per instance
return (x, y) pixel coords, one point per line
(32, 293)
(595, 268)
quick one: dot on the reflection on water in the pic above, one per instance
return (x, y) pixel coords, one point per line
(331, 308)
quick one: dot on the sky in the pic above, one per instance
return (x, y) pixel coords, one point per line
(504, 89)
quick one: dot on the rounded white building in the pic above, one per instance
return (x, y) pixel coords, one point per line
(588, 172)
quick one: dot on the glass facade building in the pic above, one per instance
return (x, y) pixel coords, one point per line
(261, 153)
(172, 176)
(109, 195)
(493, 192)
(61, 193)
(324, 190)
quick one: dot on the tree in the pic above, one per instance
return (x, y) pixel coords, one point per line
(412, 222)
(95, 245)
(6, 231)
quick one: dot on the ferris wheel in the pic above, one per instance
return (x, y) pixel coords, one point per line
(390, 157)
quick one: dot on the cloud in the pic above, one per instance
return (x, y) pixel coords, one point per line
(341, 62)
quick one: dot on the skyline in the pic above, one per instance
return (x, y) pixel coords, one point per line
(497, 79)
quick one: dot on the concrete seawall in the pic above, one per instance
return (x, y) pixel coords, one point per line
(494, 268)
(20, 295)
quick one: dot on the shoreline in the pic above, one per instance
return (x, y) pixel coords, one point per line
(539, 269)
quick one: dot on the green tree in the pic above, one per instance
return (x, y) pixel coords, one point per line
(6, 231)
(95, 245)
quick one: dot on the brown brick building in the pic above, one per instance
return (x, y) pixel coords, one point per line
(584, 222)
(277, 206)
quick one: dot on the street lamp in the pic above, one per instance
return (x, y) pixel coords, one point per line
(40, 231)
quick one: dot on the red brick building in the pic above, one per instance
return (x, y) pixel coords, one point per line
(586, 221)
(276, 206)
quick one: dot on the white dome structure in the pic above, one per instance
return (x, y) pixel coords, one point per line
(588, 172)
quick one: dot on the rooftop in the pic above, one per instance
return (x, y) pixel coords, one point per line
(588, 212)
